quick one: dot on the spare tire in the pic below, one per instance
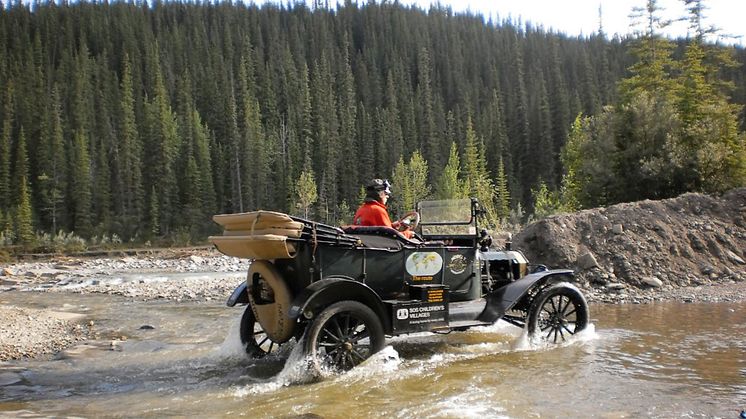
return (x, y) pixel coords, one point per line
(270, 299)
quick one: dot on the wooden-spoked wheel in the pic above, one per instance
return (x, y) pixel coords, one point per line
(342, 336)
(255, 340)
(557, 313)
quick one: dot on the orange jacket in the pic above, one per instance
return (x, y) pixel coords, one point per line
(374, 213)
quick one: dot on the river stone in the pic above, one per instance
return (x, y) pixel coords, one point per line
(652, 281)
(617, 229)
(587, 261)
(734, 257)
(77, 352)
(6, 272)
(613, 286)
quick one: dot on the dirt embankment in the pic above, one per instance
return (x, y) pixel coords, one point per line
(692, 247)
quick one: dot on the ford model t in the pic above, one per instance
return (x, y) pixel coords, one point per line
(340, 291)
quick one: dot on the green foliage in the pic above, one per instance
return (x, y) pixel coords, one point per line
(503, 194)
(670, 133)
(449, 185)
(477, 181)
(146, 129)
(651, 72)
(306, 191)
(23, 219)
(410, 184)
(5, 147)
(546, 202)
(80, 184)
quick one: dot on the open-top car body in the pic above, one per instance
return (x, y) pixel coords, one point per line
(341, 291)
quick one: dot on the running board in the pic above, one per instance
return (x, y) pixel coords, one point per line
(465, 312)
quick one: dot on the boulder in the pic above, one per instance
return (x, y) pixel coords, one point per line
(586, 261)
(652, 281)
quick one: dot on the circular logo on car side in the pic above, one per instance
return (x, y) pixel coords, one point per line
(457, 265)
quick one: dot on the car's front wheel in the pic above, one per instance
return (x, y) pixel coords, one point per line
(557, 313)
(343, 335)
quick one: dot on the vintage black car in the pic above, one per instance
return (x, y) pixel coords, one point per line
(340, 291)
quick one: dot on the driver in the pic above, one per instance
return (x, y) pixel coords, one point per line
(373, 211)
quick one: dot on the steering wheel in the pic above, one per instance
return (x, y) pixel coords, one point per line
(410, 221)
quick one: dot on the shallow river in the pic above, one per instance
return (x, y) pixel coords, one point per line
(658, 360)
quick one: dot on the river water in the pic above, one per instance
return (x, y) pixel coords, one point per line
(658, 360)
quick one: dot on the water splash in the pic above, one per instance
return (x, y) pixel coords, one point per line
(527, 343)
(232, 347)
(474, 402)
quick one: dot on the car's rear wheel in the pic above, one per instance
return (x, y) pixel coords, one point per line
(255, 340)
(557, 313)
(343, 335)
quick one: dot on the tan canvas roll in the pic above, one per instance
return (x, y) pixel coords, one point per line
(256, 220)
(261, 247)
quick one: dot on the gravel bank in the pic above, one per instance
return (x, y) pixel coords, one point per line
(30, 333)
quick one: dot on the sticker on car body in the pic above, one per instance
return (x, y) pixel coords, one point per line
(424, 263)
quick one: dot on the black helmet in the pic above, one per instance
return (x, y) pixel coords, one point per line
(377, 185)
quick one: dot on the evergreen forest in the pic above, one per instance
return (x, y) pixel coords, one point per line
(138, 121)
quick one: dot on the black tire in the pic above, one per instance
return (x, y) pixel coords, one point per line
(343, 335)
(255, 340)
(557, 313)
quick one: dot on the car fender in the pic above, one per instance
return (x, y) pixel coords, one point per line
(504, 298)
(239, 296)
(322, 293)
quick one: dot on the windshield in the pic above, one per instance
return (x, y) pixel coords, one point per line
(451, 211)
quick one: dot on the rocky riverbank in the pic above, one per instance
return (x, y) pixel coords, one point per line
(209, 276)
(28, 332)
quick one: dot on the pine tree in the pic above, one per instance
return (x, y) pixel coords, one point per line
(80, 184)
(476, 179)
(651, 72)
(429, 139)
(53, 174)
(5, 147)
(255, 147)
(129, 162)
(711, 156)
(162, 147)
(449, 185)
(347, 115)
(503, 193)
(24, 228)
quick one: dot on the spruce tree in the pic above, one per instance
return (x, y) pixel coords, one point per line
(128, 164)
(53, 170)
(5, 147)
(23, 222)
(503, 193)
(80, 185)
(449, 185)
